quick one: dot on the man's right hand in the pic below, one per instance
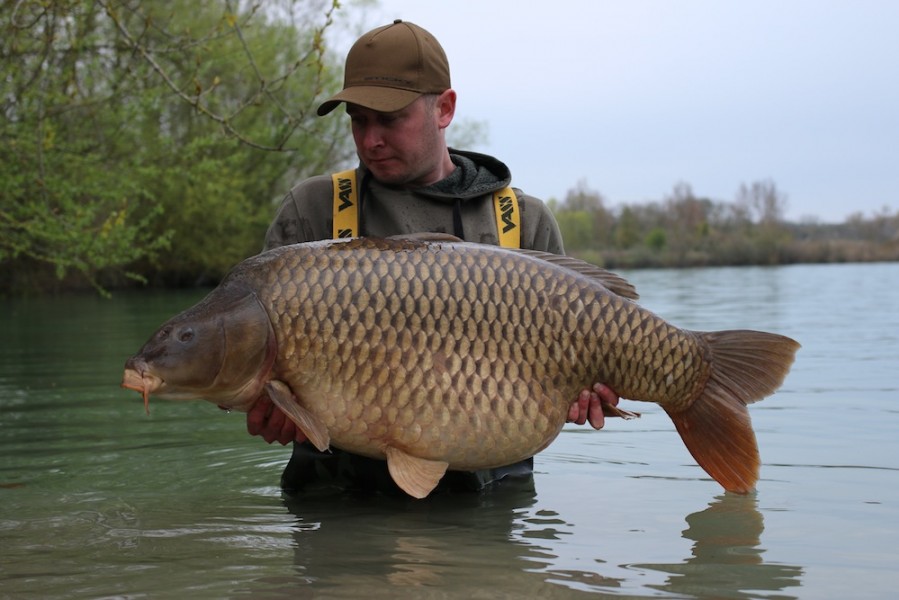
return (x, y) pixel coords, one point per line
(267, 420)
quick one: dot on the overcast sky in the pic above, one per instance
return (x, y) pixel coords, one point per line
(634, 96)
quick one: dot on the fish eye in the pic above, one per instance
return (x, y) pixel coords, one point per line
(186, 335)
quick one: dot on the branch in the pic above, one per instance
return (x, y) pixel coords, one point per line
(265, 89)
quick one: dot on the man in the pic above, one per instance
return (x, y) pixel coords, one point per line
(399, 99)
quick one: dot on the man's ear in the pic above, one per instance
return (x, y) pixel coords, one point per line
(446, 108)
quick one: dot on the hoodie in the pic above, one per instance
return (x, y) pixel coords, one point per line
(461, 204)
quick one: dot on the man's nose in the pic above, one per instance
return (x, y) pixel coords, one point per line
(372, 137)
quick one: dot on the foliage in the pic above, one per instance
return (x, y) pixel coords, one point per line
(154, 137)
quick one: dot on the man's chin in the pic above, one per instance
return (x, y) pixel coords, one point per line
(388, 172)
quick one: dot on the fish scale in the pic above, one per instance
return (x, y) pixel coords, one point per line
(439, 355)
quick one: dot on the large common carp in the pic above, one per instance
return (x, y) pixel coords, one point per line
(439, 355)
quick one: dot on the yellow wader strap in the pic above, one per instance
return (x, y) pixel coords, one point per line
(346, 204)
(508, 218)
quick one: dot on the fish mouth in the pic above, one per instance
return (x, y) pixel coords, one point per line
(138, 378)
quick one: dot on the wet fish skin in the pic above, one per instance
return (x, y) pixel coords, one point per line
(461, 356)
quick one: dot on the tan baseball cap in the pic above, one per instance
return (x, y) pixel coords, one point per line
(388, 68)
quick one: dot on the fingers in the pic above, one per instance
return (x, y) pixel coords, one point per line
(274, 427)
(577, 412)
(589, 406)
(606, 394)
(266, 420)
(594, 412)
(257, 415)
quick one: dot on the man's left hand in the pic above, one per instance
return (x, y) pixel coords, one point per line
(588, 406)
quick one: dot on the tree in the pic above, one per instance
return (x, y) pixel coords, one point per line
(576, 227)
(689, 220)
(627, 230)
(583, 218)
(763, 200)
(153, 137)
(767, 205)
(656, 239)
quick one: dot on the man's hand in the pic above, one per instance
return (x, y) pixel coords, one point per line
(267, 420)
(588, 406)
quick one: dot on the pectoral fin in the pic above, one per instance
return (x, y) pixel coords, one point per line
(308, 423)
(415, 476)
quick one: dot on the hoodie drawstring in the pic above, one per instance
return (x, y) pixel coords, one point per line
(458, 230)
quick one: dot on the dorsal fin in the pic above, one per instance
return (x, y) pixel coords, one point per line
(615, 283)
(426, 236)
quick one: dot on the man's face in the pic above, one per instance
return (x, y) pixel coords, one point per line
(406, 147)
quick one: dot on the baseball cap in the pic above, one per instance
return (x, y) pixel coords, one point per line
(388, 68)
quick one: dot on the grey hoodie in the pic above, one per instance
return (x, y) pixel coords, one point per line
(464, 198)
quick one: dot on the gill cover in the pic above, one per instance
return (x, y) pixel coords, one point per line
(249, 352)
(219, 350)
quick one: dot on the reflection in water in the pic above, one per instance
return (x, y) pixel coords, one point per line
(726, 561)
(538, 531)
(479, 542)
(502, 541)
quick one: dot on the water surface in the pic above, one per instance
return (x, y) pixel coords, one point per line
(98, 500)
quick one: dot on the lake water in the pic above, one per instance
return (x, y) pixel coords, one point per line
(98, 500)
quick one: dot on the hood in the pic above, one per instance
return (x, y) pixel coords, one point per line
(476, 175)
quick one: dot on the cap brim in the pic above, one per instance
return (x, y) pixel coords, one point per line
(379, 98)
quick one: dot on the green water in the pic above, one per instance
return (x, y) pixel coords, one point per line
(99, 500)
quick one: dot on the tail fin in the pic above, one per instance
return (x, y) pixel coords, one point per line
(716, 428)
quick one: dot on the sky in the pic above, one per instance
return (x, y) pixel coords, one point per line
(632, 97)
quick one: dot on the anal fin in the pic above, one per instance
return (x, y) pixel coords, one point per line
(308, 423)
(613, 411)
(416, 476)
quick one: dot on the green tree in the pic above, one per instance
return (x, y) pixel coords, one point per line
(627, 230)
(656, 239)
(576, 227)
(583, 218)
(153, 137)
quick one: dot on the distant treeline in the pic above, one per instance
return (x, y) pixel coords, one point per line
(684, 230)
